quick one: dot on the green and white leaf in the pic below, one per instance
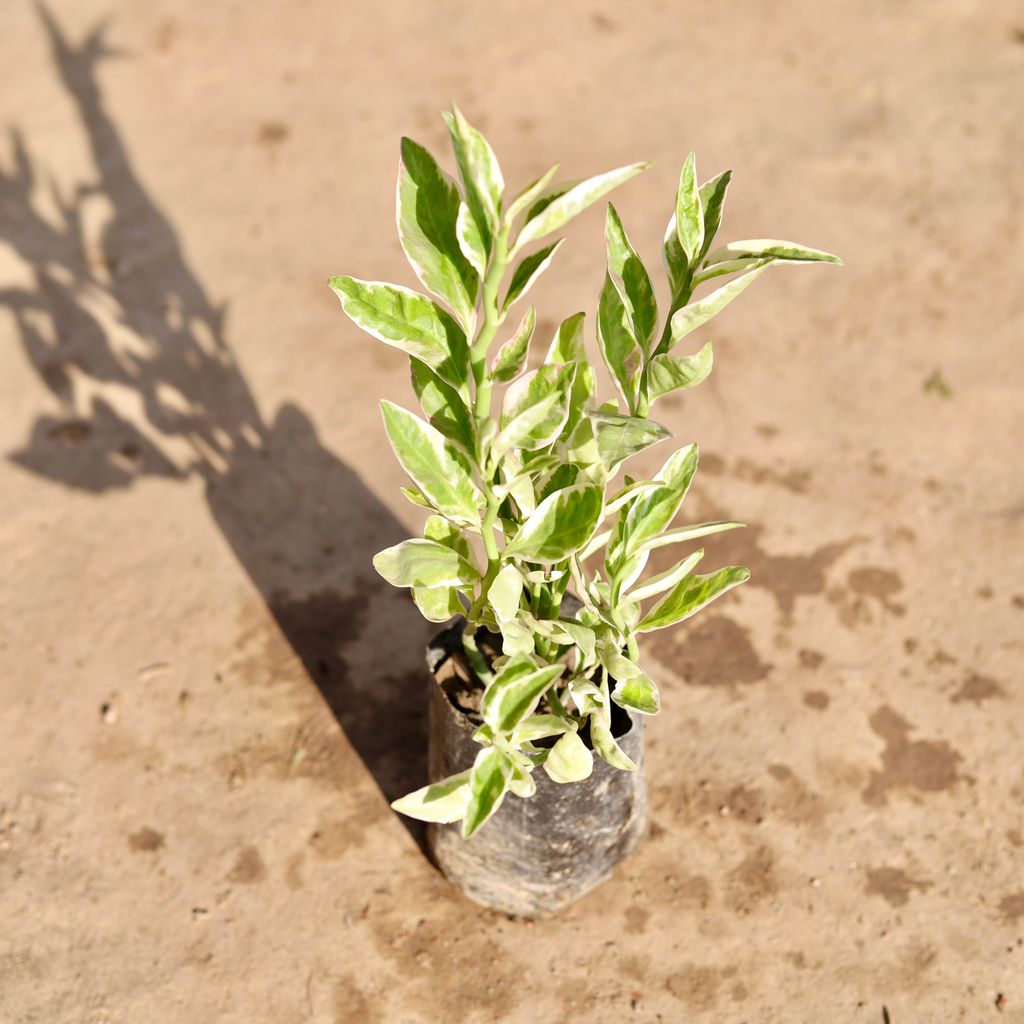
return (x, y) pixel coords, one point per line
(415, 495)
(442, 802)
(443, 406)
(684, 533)
(760, 248)
(696, 314)
(511, 357)
(526, 274)
(560, 525)
(604, 743)
(471, 241)
(712, 199)
(667, 373)
(437, 468)
(488, 783)
(631, 280)
(654, 510)
(665, 580)
(638, 694)
(569, 760)
(534, 409)
(424, 563)
(574, 201)
(505, 592)
(689, 211)
(437, 604)
(408, 321)
(539, 727)
(690, 595)
(619, 437)
(620, 351)
(428, 210)
(529, 195)
(516, 692)
(586, 695)
(439, 529)
(480, 173)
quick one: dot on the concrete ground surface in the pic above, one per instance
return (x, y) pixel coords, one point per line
(208, 698)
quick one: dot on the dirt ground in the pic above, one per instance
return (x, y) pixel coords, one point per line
(207, 698)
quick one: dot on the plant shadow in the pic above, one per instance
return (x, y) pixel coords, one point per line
(128, 342)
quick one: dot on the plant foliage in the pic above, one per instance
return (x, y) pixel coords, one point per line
(520, 486)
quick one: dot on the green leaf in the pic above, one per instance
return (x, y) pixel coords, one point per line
(442, 802)
(619, 437)
(698, 313)
(631, 281)
(511, 357)
(560, 525)
(428, 209)
(471, 241)
(539, 727)
(529, 195)
(667, 373)
(569, 760)
(759, 248)
(408, 321)
(572, 202)
(690, 595)
(489, 781)
(619, 349)
(444, 406)
(437, 604)
(712, 199)
(638, 694)
(689, 211)
(435, 465)
(665, 580)
(423, 563)
(481, 175)
(529, 269)
(604, 743)
(534, 409)
(516, 692)
(504, 593)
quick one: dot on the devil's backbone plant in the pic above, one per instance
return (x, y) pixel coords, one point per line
(520, 486)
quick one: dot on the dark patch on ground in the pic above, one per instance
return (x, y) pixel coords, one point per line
(894, 885)
(248, 868)
(811, 659)
(146, 840)
(752, 881)
(817, 699)
(1012, 907)
(713, 651)
(881, 584)
(978, 689)
(928, 766)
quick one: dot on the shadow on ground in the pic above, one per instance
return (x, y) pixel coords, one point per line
(127, 340)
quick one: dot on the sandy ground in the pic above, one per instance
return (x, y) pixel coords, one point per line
(207, 698)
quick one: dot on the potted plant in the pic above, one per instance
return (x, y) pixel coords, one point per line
(538, 693)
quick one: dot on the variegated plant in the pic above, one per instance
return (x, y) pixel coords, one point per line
(521, 491)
